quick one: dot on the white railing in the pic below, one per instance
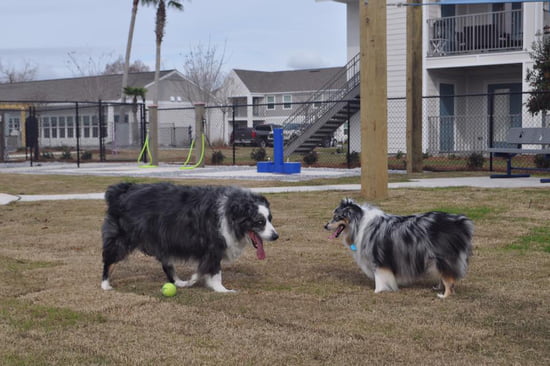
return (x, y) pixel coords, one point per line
(476, 33)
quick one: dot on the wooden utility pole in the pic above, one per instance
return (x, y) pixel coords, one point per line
(374, 101)
(199, 132)
(153, 135)
(414, 87)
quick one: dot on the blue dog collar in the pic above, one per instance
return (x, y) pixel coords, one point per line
(353, 248)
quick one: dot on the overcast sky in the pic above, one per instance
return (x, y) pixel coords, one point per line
(263, 35)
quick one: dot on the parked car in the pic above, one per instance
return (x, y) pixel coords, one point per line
(264, 134)
(244, 136)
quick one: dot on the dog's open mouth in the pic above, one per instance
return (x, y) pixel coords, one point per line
(258, 243)
(338, 231)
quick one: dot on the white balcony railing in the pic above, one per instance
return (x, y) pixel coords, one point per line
(499, 31)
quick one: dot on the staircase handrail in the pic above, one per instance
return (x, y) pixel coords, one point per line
(335, 93)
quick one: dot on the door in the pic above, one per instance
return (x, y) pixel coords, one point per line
(446, 117)
(506, 109)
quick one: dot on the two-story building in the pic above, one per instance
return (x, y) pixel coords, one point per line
(469, 48)
(263, 97)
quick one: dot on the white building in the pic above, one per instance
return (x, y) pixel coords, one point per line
(468, 48)
(58, 101)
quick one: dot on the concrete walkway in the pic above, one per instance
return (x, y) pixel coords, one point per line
(242, 173)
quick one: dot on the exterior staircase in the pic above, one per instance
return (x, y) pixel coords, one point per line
(317, 119)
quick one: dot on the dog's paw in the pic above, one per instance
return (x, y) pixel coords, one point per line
(225, 291)
(180, 283)
(106, 286)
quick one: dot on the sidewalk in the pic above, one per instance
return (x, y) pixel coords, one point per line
(243, 172)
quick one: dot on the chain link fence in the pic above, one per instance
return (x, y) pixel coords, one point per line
(457, 131)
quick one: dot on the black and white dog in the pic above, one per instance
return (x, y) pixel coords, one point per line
(396, 250)
(173, 222)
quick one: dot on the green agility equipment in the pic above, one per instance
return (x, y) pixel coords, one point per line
(144, 150)
(190, 153)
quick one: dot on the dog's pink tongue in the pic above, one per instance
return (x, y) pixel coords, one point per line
(259, 243)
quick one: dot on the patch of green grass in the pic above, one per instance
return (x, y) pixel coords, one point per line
(25, 316)
(474, 213)
(45, 359)
(17, 265)
(538, 239)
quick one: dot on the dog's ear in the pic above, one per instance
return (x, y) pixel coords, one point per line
(349, 208)
(346, 202)
(241, 210)
(261, 200)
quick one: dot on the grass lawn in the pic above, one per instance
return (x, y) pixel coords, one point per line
(306, 304)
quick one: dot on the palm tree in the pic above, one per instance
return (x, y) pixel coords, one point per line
(135, 92)
(159, 32)
(135, 4)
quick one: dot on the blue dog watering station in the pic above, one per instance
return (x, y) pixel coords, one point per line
(278, 165)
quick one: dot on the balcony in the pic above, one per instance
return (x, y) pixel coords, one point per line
(500, 31)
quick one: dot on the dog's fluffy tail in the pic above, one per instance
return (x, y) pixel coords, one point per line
(112, 196)
(456, 232)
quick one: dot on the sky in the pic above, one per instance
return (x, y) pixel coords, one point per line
(265, 35)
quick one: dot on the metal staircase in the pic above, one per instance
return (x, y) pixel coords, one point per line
(326, 110)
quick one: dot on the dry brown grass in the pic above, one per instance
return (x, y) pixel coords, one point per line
(307, 303)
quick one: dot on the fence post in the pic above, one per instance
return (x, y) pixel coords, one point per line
(348, 152)
(102, 156)
(2, 138)
(77, 127)
(199, 131)
(233, 124)
(491, 107)
(153, 135)
(143, 129)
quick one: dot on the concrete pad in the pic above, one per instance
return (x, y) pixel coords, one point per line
(7, 198)
(482, 182)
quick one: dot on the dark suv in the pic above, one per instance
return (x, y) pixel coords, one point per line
(264, 134)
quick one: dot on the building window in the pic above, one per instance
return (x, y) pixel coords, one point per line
(270, 102)
(287, 101)
(126, 118)
(46, 127)
(95, 126)
(13, 126)
(53, 124)
(86, 126)
(62, 129)
(70, 127)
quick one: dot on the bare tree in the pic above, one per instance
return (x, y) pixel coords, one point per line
(208, 83)
(10, 74)
(203, 67)
(87, 65)
(89, 68)
(117, 67)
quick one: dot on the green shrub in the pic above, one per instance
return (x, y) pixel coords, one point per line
(542, 161)
(217, 157)
(354, 158)
(86, 155)
(475, 161)
(311, 158)
(47, 155)
(258, 154)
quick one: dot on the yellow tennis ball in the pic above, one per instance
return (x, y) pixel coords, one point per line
(168, 289)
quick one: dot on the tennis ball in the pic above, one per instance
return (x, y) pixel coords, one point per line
(168, 289)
